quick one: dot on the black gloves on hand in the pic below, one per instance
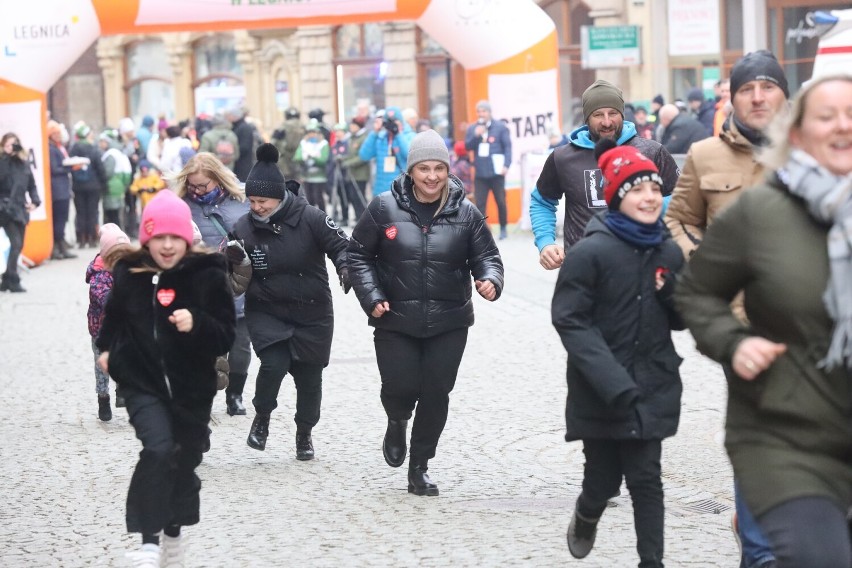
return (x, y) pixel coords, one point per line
(344, 280)
(235, 252)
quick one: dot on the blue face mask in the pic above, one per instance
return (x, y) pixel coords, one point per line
(208, 198)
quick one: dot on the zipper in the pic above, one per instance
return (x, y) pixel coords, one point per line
(156, 280)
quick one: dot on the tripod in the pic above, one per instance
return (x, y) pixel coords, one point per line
(345, 190)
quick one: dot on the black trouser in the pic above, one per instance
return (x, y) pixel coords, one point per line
(808, 531)
(15, 232)
(131, 219)
(164, 489)
(639, 462)
(422, 372)
(113, 216)
(315, 193)
(239, 358)
(357, 197)
(86, 222)
(61, 208)
(275, 362)
(497, 185)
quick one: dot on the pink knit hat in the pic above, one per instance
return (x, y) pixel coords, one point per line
(166, 214)
(112, 236)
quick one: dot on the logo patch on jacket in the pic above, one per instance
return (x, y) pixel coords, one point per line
(391, 232)
(165, 296)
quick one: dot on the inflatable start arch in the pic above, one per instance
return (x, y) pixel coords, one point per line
(507, 47)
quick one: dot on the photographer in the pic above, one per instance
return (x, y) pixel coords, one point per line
(492, 146)
(388, 145)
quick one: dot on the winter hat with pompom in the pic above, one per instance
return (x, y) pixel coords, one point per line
(622, 168)
(265, 179)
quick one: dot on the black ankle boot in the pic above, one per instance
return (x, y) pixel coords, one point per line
(393, 447)
(64, 251)
(12, 283)
(234, 403)
(418, 482)
(304, 444)
(581, 535)
(259, 432)
(104, 410)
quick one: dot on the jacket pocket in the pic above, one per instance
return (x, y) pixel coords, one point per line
(722, 181)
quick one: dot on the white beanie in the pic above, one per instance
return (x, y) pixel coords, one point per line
(427, 145)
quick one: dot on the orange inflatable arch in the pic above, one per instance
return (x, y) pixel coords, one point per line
(507, 47)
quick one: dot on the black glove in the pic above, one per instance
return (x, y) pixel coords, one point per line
(235, 252)
(669, 279)
(279, 134)
(344, 280)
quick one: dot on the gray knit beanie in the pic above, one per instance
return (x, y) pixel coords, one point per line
(602, 94)
(427, 145)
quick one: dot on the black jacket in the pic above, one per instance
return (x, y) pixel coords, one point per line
(16, 182)
(92, 177)
(422, 267)
(288, 296)
(616, 329)
(681, 132)
(245, 138)
(146, 351)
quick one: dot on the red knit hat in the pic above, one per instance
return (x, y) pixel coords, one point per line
(459, 149)
(622, 168)
(166, 214)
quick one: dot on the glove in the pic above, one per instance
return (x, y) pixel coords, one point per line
(344, 280)
(279, 134)
(235, 252)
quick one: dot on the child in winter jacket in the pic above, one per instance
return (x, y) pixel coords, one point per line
(613, 308)
(99, 279)
(170, 314)
(147, 183)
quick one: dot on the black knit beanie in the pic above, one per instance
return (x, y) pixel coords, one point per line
(758, 66)
(265, 179)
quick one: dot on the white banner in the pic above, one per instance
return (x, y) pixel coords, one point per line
(25, 120)
(694, 27)
(527, 103)
(170, 12)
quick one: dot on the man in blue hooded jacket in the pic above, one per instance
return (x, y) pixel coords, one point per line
(571, 171)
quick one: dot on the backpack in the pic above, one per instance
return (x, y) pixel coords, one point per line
(225, 151)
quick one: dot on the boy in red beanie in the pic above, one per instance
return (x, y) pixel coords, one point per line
(613, 308)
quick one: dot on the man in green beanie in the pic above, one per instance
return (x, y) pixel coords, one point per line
(572, 171)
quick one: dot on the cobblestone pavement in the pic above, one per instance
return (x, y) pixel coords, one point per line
(507, 478)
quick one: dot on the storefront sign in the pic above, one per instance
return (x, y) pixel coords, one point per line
(609, 46)
(694, 27)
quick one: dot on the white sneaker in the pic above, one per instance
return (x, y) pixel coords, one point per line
(173, 548)
(148, 556)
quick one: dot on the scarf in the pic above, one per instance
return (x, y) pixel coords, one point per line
(208, 198)
(279, 207)
(828, 198)
(639, 234)
(756, 137)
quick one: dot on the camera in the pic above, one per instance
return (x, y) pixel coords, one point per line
(16, 147)
(390, 125)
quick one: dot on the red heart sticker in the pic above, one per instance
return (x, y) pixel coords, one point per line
(391, 232)
(165, 296)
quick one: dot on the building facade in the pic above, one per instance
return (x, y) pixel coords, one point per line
(339, 69)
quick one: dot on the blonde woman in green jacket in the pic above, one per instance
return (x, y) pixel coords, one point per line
(787, 245)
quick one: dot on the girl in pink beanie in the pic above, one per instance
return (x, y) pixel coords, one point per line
(170, 314)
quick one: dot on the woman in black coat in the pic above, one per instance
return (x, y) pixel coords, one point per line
(410, 260)
(288, 302)
(16, 184)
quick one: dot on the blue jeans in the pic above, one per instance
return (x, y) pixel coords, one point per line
(756, 549)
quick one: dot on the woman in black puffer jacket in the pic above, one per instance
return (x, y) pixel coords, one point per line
(410, 262)
(16, 185)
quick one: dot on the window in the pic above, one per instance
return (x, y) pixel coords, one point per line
(434, 67)
(359, 68)
(218, 83)
(149, 85)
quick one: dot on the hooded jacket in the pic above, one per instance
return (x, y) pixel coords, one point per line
(288, 297)
(146, 351)
(422, 267)
(16, 182)
(572, 171)
(376, 147)
(616, 328)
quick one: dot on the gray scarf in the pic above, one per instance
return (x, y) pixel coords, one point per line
(829, 200)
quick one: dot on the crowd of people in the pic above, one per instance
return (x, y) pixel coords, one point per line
(748, 246)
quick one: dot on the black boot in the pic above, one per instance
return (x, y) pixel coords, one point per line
(11, 282)
(581, 535)
(104, 410)
(56, 253)
(234, 403)
(418, 482)
(259, 432)
(304, 444)
(64, 250)
(393, 447)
